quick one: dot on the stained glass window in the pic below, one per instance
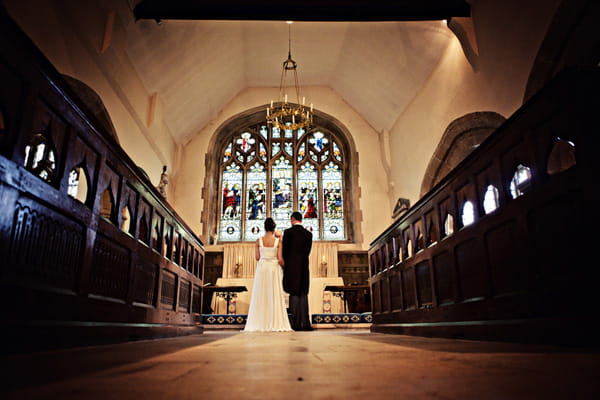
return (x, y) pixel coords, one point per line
(256, 204)
(231, 200)
(282, 176)
(333, 205)
(308, 198)
(270, 172)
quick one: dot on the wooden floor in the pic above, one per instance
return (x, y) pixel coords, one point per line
(324, 364)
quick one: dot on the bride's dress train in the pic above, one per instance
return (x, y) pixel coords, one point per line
(267, 312)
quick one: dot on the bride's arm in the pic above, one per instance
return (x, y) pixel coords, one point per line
(280, 253)
(257, 251)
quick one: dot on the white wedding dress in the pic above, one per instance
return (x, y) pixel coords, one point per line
(267, 312)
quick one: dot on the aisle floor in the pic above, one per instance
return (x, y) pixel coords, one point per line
(324, 364)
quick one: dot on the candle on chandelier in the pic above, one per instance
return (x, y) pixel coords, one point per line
(311, 108)
(268, 111)
(293, 119)
(271, 103)
(285, 101)
(303, 99)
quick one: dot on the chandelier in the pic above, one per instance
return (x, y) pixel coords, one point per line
(284, 114)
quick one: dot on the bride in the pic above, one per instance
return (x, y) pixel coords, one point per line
(267, 305)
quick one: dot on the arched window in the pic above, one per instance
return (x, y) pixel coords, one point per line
(468, 213)
(562, 156)
(143, 229)
(270, 172)
(448, 225)
(78, 184)
(490, 199)
(40, 157)
(156, 236)
(107, 204)
(126, 219)
(520, 181)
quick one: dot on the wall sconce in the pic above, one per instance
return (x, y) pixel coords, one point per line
(238, 265)
(323, 267)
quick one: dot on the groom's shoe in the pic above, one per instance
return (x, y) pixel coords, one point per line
(305, 328)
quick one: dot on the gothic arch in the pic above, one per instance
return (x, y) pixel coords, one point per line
(460, 137)
(213, 161)
(94, 103)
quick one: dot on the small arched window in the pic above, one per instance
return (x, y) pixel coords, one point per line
(40, 156)
(468, 213)
(448, 225)
(562, 156)
(521, 181)
(408, 250)
(176, 244)
(78, 184)
(107, 204)
(432, 238)
(156, 236)
(167, 250)
(143, 229)
(490, 199)
(126, 219)
(420, 241)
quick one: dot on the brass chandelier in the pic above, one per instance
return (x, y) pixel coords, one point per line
(284, 114)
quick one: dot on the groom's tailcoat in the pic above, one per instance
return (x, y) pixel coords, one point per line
(296, 246)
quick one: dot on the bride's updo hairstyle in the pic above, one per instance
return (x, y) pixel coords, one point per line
(270, 225)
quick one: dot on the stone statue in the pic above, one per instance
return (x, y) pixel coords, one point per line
(164, 181)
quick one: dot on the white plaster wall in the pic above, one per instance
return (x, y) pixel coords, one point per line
(509, 34)
(373, 201)
(69, 33)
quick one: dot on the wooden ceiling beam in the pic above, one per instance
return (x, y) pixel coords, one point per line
(303, 10)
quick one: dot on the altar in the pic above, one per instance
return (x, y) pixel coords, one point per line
(320, 301)
(239, 265)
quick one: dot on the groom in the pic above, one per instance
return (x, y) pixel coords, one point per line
(296, 246)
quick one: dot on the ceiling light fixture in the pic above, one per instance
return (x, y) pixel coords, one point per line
(284, 114)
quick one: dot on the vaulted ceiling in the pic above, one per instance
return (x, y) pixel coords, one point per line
(198, 65)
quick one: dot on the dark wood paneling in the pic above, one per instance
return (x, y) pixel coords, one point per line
(472, 274)
(424, 289)
(445, 277)
(396, 291)
(145, 283)
(505, 252)
(409, 286)
(45, 247)
(168, 291)
(66, 265)
(523, 264)
(109, 275)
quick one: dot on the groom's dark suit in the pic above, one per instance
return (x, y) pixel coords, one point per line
(296, 246)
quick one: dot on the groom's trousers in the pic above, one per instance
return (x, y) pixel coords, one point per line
(299, 319)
